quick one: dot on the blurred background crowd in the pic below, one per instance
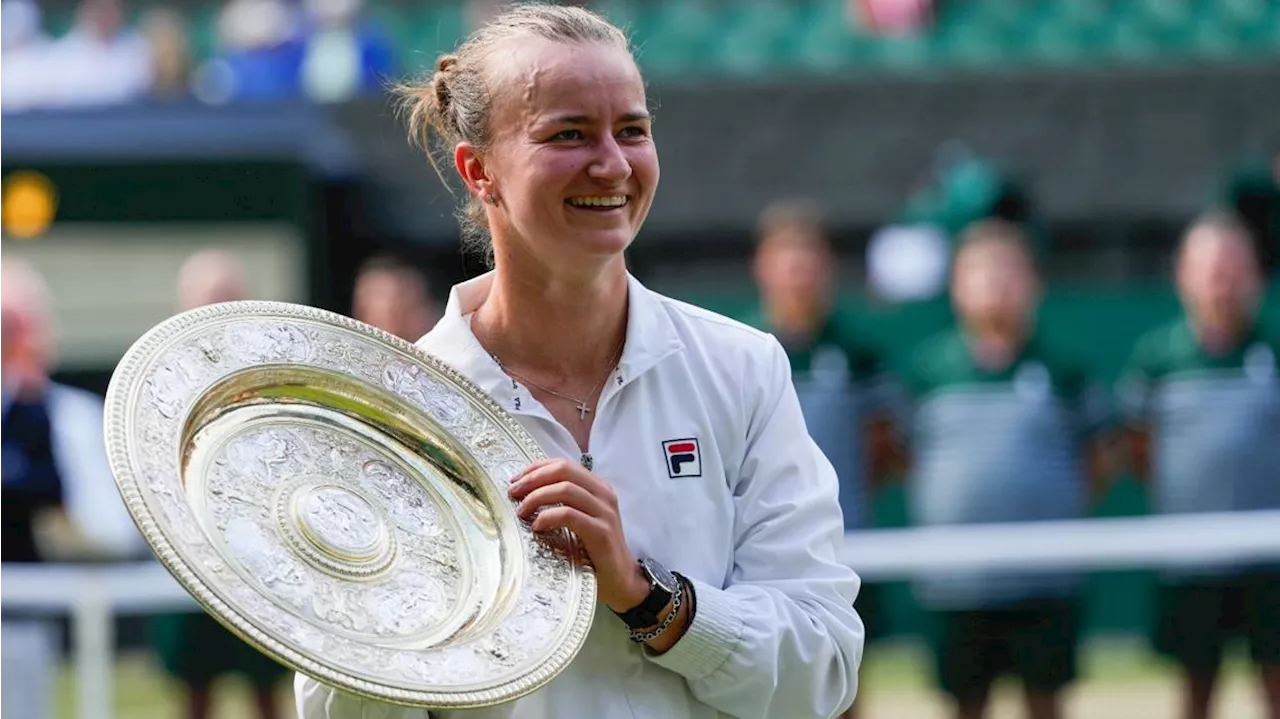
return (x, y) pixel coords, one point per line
(1025, 256)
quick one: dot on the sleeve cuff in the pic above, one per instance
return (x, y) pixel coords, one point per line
(710, 639)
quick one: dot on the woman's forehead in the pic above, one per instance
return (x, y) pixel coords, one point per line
(580, 79)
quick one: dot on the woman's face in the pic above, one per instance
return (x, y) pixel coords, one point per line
(572, 162)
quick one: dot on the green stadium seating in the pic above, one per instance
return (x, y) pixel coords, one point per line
(672, 38)
(756, 36)
(825, 40)
(693, 40)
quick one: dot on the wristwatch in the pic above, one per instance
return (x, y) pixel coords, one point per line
(662, 585)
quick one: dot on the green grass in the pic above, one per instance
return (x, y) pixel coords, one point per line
(895, 678)
(144, 691)
(906, 665)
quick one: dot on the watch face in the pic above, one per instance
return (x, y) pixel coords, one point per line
(660, 576)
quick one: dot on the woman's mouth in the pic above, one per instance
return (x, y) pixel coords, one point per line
(599, 203)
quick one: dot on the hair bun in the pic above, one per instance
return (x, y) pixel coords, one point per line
(446, 63)
(440, 82)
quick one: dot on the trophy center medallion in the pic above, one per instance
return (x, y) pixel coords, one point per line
(339, 522)
(336, 529)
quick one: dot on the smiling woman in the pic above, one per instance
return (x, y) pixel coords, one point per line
(454, 115)
(542, 114)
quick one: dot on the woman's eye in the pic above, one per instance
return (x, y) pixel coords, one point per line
(567, 135)
(632, 131)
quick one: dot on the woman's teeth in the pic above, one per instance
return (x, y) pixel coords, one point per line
(605, 201)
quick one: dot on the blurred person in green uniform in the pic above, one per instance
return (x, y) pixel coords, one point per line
(194, 648)
(1202, 399)
(838, 376)
(1002, 427)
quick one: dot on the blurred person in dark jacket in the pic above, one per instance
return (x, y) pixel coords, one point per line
(1005, 427)
(1202, 396)
(393, 295)
(194, 648)
(838, 374)
(59, 501)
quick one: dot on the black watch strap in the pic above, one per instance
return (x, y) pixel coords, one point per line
(646, 613)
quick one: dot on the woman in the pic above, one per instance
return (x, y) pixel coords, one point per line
(677, 439)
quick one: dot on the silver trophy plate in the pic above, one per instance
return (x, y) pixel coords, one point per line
(337, 498)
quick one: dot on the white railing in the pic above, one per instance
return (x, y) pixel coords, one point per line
(93, 594)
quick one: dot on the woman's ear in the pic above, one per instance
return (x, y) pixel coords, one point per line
(471, 168)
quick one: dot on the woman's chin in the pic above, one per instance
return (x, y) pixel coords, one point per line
(604, 243)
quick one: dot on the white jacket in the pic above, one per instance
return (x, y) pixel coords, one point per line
(753, 521)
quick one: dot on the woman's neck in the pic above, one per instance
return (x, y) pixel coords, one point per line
(554, 327)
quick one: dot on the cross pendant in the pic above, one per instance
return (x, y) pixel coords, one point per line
(582, 410)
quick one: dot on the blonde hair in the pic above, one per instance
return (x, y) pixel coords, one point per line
(454, 102)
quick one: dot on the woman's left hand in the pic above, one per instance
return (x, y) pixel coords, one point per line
(588, 507)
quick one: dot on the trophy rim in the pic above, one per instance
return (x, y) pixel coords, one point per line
(120, 402)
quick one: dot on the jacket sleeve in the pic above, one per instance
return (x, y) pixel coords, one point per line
(315, 700)
(779, 637)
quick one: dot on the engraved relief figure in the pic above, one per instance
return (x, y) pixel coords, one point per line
(406, 501)
(341, 518)
(266, 561)
(265, 342)
(276, 451)
(411, 382)
(171, 386)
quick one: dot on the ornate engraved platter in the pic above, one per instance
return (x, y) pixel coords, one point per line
(337, 497)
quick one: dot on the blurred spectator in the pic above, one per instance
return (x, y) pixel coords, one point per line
(394, 296)
(836, 372)
(895, 18)
(345, 55)
(59, 500)
(1206, 389)
(194, 648)
(260, 55)
(1004, 429)
(481, 11)
(1252, 191)
(24, 80)
(100, 61)
(166, 32)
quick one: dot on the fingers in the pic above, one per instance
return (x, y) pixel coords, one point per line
(546, 472)
(540, 463)
(590, 530)
(566, 493)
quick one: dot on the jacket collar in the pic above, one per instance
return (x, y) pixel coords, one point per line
(651, 336)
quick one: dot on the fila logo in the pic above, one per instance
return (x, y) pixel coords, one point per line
(683, 457)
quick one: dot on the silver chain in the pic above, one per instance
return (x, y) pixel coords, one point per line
(579, 404)
(676, 600)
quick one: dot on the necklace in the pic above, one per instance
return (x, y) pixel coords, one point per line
(578, 404)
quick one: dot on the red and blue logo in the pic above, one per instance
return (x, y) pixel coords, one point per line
(683, 458)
